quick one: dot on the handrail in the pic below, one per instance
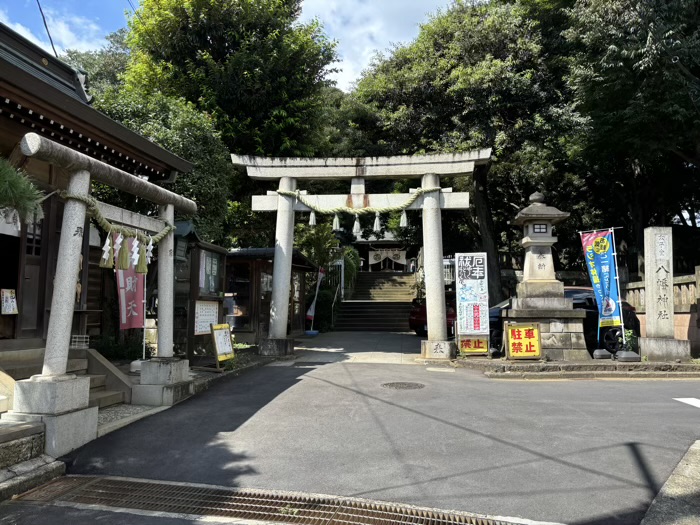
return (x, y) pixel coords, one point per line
(335, 298)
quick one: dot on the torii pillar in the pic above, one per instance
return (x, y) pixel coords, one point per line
(433, 199)
(55, 397)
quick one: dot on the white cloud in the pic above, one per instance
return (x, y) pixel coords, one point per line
(67, 31)
(363, 27)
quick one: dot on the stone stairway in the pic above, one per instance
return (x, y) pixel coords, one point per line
(385, 287)
(381, 303)
(24, 364)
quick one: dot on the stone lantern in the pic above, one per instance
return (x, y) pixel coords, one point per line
(539, 287)
(540, 296)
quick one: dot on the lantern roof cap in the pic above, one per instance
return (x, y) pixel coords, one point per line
(538, 210)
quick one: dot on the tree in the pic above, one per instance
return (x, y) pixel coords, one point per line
(478, 76)
(105, 66)
(249, 63)
(179, 127)
(635, 78)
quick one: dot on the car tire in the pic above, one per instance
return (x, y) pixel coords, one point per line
(612, 339)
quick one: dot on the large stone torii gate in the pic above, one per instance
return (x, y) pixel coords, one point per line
(431, 199)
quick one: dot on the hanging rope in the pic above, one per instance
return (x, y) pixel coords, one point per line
(356, 211)
(107, 226)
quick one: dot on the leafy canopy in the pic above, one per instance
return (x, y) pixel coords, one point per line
(249, 63)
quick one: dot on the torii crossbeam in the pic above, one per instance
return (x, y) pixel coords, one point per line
(431, 199)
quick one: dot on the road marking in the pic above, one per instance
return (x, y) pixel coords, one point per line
(692, 401)
(440, 369)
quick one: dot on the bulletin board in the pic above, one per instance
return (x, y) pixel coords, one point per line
(206, 313)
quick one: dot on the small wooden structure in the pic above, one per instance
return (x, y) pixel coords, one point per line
(249, 291)
(200, 270)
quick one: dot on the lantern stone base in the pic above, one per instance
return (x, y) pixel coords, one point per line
(540, 288)
(664, 349)
(561, 332)
(437, 349)
(277, 347)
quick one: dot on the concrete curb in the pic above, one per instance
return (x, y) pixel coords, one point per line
(31, 474)
(678, 501)
(499, 369)
(120, 423)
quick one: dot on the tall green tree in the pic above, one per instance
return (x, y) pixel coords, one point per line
(478, 76)
(179, 127)
(104, 66)
(249, 63)
(635, 76)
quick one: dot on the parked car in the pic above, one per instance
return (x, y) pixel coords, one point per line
(583, 299)
(418, 319)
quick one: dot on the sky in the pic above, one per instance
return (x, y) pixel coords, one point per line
(361, 27)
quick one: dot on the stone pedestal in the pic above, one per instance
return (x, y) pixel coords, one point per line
(660, 343)
(164, 371)
(164, 382)
(561, 332)
(664, 349)
(277, 347)
(437, 349)
(61, 403)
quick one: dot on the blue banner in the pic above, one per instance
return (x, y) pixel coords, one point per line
(599, 252)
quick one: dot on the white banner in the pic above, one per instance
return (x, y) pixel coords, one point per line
(471, 285)
(377, 256)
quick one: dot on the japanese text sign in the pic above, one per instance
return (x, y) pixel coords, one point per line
(9, 302)
(598, 251)
(523, 341)
(473, 345)
(221, 335)
(472, 291)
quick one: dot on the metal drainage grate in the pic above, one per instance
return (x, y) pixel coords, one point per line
(242, 504)
(402, 385)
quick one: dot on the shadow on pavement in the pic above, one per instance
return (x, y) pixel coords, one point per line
(190, 434)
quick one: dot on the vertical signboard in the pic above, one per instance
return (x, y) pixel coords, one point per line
(472, 291)
(599, 252)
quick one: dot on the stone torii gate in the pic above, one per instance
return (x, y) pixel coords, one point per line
(430, 198)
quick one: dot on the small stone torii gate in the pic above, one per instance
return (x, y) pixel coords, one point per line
(430, 198)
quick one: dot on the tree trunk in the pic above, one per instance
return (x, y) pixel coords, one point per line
(484, 217)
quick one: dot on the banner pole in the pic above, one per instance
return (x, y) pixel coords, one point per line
(144, 316)
(617, 281)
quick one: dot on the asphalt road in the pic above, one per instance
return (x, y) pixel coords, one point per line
(575, 452)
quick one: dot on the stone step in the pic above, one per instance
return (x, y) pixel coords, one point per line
(393, 306)
(369, 315)
(24, 370)
(97, 380)
(372, 321)
(104, 398)
(29, 474)
(371, 329)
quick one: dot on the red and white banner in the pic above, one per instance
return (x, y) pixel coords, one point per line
(130, 286)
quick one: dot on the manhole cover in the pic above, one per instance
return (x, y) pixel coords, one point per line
(401, 385)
